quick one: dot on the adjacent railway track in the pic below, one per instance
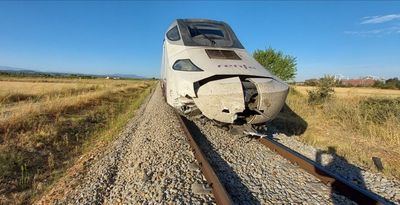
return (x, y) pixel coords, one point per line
(335, 182)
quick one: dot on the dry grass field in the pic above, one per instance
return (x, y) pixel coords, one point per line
(46, 123)
(360, 123)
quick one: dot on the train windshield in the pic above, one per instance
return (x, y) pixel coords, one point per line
(208, 33)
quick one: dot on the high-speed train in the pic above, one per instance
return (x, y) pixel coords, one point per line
(205, 68)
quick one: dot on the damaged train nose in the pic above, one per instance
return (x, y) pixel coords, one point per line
(206, 69)
(221, 100)
(236, 100)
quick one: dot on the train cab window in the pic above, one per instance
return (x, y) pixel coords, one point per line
(173, 34)
(209, 34)
(206, 33)
(209, 31)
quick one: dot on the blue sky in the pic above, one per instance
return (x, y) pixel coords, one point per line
(353, 39)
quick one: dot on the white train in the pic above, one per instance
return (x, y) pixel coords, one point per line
(205, 68)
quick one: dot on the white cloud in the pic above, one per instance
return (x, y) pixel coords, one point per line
(375, 31)
(380, 19)
(389, 30)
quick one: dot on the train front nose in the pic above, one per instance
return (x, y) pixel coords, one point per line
(221, 100)
(271, 96)
(251, 100)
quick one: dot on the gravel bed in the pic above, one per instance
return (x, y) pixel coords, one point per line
(149, 163)
(252, 174)
(388, 188)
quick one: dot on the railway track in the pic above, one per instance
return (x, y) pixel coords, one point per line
(220, 194)
(335, 182)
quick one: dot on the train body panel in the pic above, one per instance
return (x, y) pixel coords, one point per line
(205, 67)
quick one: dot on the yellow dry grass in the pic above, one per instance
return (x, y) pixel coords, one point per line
(343, 123)
(14, 90)
(45, 123)
(34, 88)
(58, 103)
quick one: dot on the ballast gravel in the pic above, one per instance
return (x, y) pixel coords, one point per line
(150, 163)
(388, 188)
(253, 174)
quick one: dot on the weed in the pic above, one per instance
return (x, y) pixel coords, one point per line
(379, 110)
(24, 179)
(294, 91)
(10, 161)
(323, 92)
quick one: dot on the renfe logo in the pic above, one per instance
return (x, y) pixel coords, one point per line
(236, 66)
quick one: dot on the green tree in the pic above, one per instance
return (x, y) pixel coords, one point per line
(392, 83)
(279, 64)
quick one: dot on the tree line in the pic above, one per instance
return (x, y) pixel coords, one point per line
(391, 83)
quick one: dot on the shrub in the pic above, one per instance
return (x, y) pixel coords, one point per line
(323, 91)
(391, 83)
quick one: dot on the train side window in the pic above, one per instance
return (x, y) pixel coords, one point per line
(173, 34)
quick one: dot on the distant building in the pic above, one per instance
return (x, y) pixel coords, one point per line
(366, 81)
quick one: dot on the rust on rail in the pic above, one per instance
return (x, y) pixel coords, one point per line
(220, 194)
(336, 182)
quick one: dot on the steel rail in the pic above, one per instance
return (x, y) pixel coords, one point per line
(336, 182)
(220, 194)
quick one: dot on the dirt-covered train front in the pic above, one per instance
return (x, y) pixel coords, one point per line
(205, 68)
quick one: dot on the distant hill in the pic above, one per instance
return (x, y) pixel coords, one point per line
(14, 70)
(8, 68)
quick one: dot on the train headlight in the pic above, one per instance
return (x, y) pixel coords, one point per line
(185, 65)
